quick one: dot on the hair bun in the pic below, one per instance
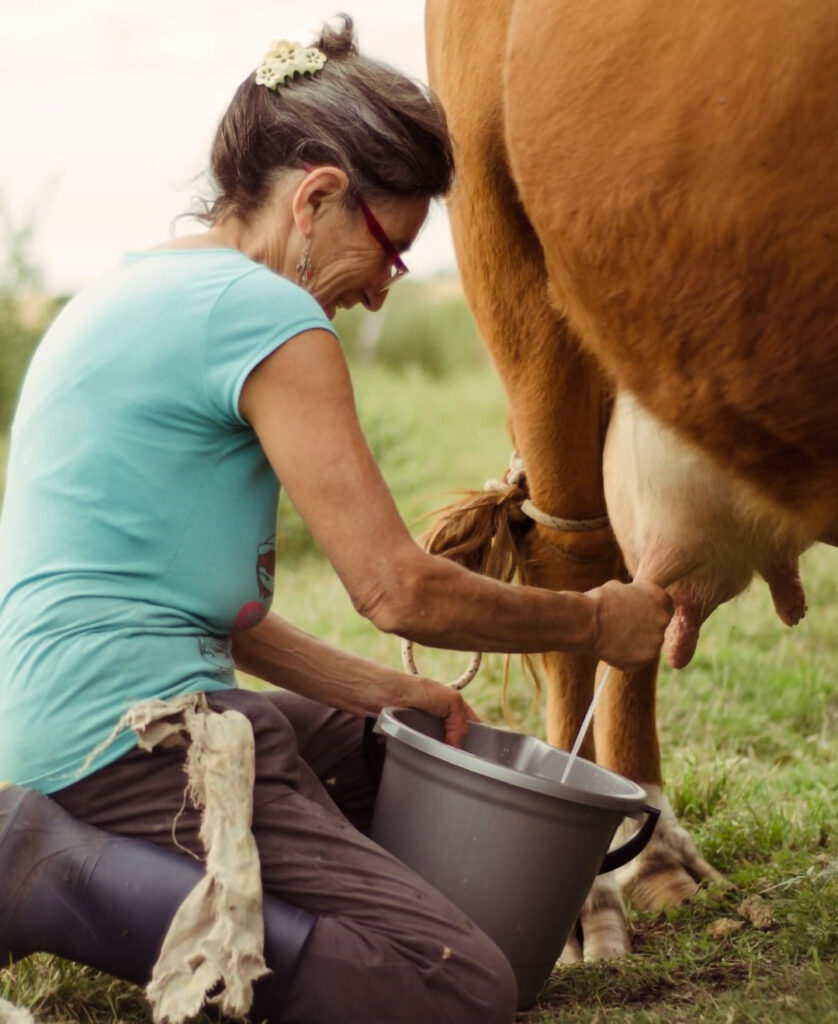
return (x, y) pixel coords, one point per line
(338, 40)
(385, 131)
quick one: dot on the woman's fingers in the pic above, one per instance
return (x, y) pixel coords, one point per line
(443, 702)
(456, 722)
(631, 622)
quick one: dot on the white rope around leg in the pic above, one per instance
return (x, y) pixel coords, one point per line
(565, 525)
(514, 477)
(459, 683)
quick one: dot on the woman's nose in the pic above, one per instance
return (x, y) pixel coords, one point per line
(374, 298)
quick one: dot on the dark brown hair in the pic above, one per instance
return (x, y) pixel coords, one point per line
(386, 131)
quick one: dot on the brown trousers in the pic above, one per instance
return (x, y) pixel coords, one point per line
(388, 948)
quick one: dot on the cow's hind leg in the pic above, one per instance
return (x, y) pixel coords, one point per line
(558, 432)
(625, 730)
(557, 399)
(670, 869)
(557, 411)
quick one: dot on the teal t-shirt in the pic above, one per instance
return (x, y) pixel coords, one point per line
(137, 530)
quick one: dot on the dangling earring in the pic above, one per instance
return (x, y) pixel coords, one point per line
(304, 267)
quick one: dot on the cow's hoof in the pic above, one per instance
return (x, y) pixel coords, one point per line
(670, 869)
(666, 873)
(572, 952)
(601, 932)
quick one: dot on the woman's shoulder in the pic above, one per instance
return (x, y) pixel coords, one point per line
(257, 294)
(177, 264)
(226, 275)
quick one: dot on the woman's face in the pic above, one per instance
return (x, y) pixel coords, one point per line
(349, 266)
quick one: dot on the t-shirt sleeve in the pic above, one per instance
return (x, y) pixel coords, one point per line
(253, 316)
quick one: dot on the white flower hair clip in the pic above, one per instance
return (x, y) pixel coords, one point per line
(285, 60)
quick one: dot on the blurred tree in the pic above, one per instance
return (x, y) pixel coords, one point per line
(18, 270)
(25, 308)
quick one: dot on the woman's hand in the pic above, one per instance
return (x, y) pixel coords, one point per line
(442, 702)
(631, 619)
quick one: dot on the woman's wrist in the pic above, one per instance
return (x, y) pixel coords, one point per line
(593, 622)
(578, 622)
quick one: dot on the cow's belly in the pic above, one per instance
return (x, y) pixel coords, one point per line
(687, 523)
(677, 163)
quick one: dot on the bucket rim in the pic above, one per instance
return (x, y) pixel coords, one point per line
(390, 723)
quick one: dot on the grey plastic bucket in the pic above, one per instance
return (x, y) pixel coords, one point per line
(492, 827)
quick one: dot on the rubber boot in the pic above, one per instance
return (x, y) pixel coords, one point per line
(107, 901)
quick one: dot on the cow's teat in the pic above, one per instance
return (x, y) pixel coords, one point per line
(686, 523)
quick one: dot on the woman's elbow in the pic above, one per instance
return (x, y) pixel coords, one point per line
(396, 604)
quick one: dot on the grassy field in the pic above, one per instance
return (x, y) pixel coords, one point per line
(749, 733)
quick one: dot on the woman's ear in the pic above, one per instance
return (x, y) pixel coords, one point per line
(321, 188)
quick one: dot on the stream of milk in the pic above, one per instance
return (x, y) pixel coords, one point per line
(586, 724)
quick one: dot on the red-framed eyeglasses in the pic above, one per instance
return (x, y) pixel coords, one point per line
(398, 268)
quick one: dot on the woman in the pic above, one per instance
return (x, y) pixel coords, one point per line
(136, 544)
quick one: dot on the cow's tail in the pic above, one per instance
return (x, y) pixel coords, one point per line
(484, 532)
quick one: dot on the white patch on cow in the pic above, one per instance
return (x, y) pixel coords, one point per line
(678, 515)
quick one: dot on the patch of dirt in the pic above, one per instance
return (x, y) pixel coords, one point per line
(634, 985)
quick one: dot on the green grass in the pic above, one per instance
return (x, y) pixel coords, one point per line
(750, 739)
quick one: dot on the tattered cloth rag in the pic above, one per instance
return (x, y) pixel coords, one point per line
(215, 942)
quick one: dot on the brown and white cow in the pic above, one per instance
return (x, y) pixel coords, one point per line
(646, 210)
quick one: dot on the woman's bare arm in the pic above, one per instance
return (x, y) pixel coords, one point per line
(300, 403)
(286, 656)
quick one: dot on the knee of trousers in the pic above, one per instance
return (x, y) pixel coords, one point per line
(350, 974)
(472, 983)
(485, 988)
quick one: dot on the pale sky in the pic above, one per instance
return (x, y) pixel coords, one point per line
(108, 109)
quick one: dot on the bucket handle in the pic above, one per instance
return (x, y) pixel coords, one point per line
(629, 850)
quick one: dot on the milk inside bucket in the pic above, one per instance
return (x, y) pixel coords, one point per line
(492, 827)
